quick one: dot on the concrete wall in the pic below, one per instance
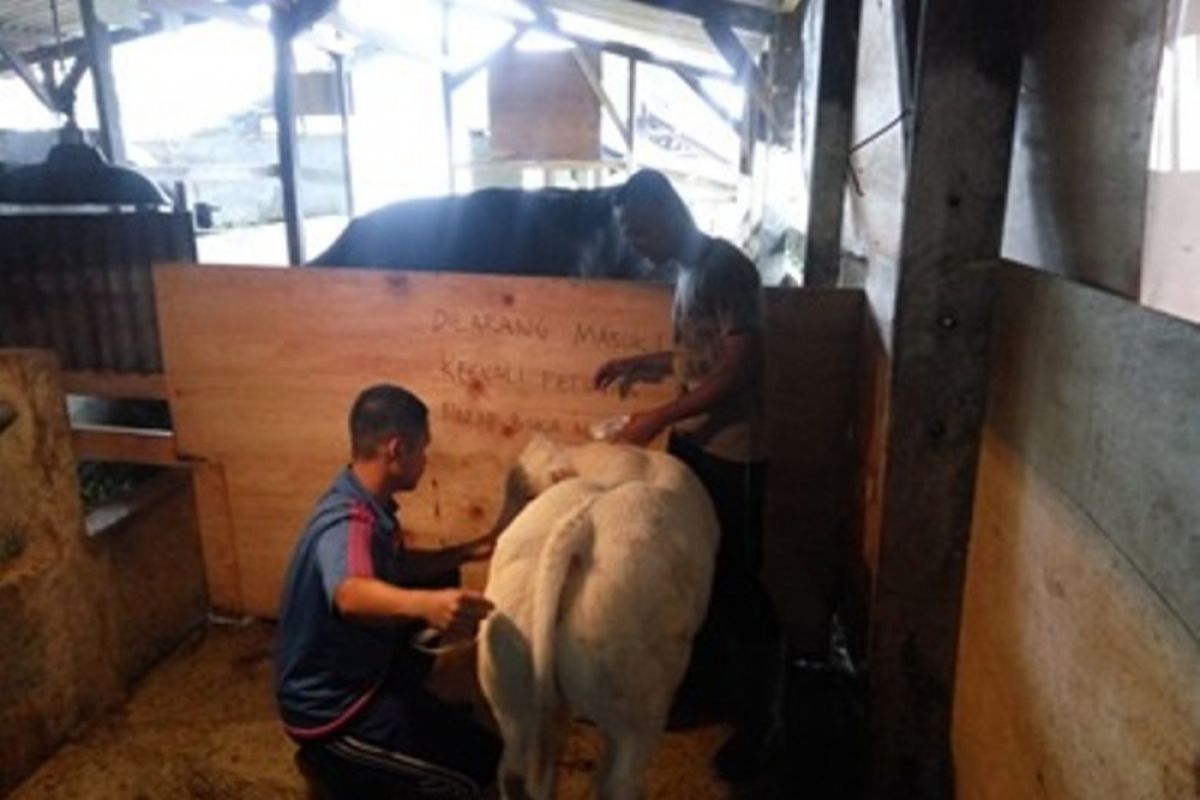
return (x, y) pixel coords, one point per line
(79, 618)
(1079, 657)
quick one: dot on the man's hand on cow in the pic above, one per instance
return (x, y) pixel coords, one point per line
(641, 428)
(457, 610)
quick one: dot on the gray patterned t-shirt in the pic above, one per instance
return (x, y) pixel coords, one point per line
(718, 292)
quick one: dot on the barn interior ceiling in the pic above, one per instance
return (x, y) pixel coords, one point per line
(673, 29)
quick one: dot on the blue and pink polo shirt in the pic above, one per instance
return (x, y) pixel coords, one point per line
(328, 667)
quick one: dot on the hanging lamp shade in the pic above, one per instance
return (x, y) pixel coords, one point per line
(76, 173)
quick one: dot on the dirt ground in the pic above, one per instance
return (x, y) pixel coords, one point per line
(202, 726)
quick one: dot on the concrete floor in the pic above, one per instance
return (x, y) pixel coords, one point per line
(202, 726)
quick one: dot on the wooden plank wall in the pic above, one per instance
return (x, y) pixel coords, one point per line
(263, 365)
(1079, 665)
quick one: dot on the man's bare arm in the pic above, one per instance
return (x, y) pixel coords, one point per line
(373, 600)
(645, 368)
(418, 564)
(741, 354)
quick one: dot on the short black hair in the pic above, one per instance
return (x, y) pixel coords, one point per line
(384, 411)
(649, 188)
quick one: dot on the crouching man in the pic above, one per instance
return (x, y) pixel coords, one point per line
(349, 683)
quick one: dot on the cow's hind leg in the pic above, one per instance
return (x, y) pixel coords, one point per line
(506, 676)
(623, 767)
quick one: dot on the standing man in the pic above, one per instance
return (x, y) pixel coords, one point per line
(716, 428)
(349, 683)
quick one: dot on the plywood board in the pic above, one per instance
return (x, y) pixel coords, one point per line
(1075, 680)
(1079, 654)
(264, 364)
(813, 345)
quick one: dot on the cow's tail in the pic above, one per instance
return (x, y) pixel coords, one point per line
(568, 542)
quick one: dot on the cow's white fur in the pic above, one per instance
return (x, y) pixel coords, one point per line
(599, 583)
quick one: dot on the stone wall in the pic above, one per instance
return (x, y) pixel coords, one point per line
(80, 617)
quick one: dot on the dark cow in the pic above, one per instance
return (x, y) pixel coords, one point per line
(556, 232)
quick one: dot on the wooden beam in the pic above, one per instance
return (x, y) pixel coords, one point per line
(646, 57)
(967, 84)
(631, 109)
(694, 84)
(238, 14)
(736, 15)
(470, 71)
(112, 137)
(448, 87)
(906, 16)
(382, 40)
(126, 445)
(76, 48)
(26, 74)
(115, 385)
(343, 103)
(282, 32)
(747, 72)
(597, 86)
(831, 139)
(64, 92)
(786, 73)
(547, 21)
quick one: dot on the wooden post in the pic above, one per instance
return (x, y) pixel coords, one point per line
(631, 113)
(285, 121)
(343, 101)
(43, 91)
(967, 83)
(596, 84)
(906, 16)
(831, 140)
(448, 87)
(112, 138)
(745, 68)
(787, 72)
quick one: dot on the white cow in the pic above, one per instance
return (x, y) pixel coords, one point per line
(599, 583)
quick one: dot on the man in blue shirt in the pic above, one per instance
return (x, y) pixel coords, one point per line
(347, 677)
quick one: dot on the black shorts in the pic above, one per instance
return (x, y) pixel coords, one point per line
(740, 603)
